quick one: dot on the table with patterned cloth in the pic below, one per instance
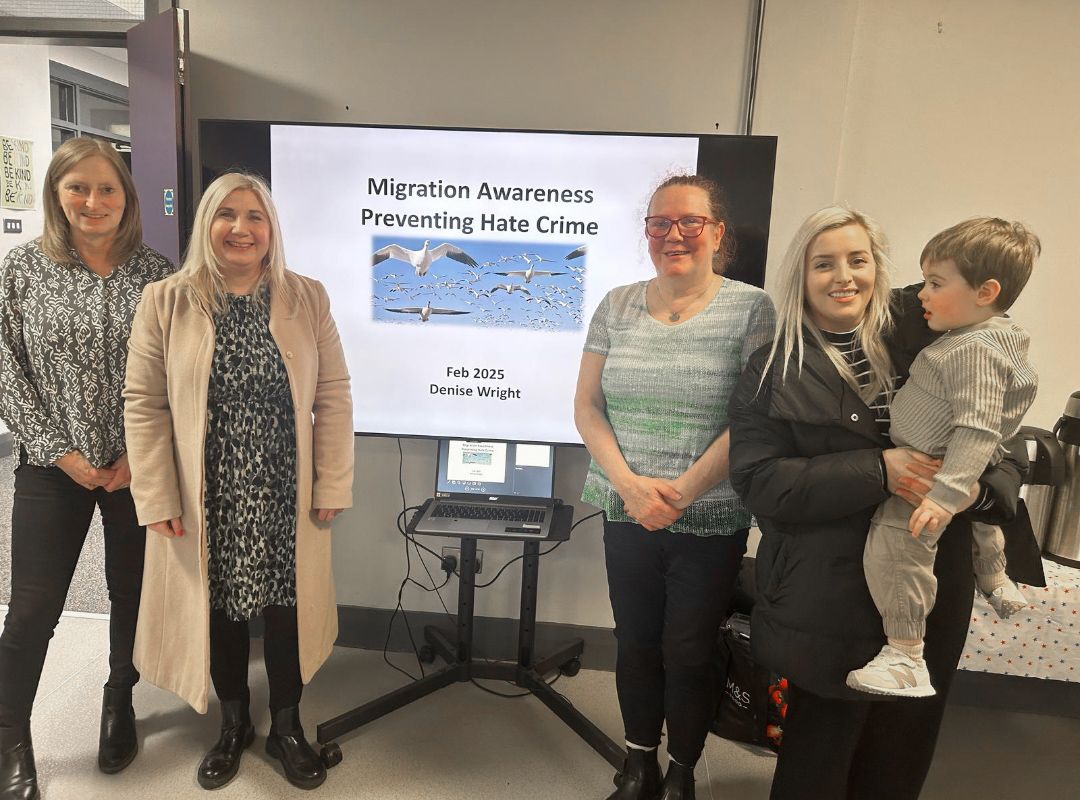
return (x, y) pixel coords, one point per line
(1042, 641)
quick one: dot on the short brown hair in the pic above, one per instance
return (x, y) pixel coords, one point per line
(988, 248)
(55, 236)
(718, 208)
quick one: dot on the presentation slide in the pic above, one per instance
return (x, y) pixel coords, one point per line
(477, 461)
(463, 266)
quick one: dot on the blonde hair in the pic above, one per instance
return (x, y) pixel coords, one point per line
(791, 306)
(201, 270)
(988, 248)
(55, 241)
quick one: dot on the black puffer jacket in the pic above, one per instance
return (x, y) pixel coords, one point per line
(806, 459)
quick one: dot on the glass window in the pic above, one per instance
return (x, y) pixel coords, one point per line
(60, 135)
(87, 105)
(103, 113)
(62, 96)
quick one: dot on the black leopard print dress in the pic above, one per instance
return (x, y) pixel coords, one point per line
(250, 466)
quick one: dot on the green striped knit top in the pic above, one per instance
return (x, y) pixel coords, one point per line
(667, 389)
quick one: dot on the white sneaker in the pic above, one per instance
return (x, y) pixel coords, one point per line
(1007, 599)
(893, 673)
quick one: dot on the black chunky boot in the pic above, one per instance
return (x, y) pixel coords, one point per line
(221, 762)
(640, 776)
(303, 767)
(18, 776)
(678, 783)
(117, 744)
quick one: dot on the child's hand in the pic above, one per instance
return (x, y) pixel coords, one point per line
(928, 515)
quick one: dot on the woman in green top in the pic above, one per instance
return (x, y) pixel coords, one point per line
(660, 361)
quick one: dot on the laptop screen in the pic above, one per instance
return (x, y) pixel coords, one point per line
(489, 469)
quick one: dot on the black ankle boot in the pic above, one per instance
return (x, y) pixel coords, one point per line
(220, 764)
(640, 776)
(117, 744)
(18, 776)
(303, 767)
(678, 783)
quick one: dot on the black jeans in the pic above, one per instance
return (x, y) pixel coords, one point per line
(49, 521)
(881, 749)
(669, 592)
(230, 645)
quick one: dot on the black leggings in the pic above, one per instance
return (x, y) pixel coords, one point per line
(669, 592)
(230, 645)
(49, 522)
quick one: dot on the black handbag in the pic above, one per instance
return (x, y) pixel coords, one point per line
(752, 701)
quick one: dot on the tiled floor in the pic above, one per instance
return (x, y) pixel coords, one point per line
(464, 743)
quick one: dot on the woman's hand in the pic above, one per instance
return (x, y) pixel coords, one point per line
(326, 514)
(910, 474)
(83, 472)
(168, 528)
(650, 501)
(122, 478)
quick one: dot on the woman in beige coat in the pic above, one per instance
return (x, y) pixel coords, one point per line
(239, 433)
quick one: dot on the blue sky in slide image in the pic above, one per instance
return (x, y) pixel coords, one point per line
(528, 299)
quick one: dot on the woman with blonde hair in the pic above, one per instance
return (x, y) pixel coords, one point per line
(239, 421)
(811, 458)
(66, 304)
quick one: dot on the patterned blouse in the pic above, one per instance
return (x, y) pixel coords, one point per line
(667, 390)
(63, 351)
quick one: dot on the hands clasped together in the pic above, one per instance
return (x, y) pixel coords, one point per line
(654, 503)
(110, 478)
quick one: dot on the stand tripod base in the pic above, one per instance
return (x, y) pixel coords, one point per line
(566, 659)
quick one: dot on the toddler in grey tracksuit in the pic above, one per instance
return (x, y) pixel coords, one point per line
(966, 393)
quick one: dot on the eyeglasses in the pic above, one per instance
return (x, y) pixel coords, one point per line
(658, 227)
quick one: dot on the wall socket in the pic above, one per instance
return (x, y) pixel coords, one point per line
(456, 553)
(12, 225)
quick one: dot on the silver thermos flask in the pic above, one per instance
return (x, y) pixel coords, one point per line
(1046, 474)
(1063, 537)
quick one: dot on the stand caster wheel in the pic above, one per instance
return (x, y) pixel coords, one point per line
(571, 667)
(427, 654)
(330, 755)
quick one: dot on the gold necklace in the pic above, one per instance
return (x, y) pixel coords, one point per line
(673, 315)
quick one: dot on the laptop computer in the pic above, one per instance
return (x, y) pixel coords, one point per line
(491, 489)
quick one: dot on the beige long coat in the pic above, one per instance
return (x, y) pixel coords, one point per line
(168, 371)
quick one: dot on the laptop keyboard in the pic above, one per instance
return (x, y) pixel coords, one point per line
(507, 513)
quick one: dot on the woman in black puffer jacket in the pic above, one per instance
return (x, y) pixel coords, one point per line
(810, 456)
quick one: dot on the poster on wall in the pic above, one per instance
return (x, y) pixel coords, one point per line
(16, 173)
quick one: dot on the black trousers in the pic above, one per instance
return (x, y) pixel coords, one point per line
(49, 521)
(230, 645)
(669, 593)
(881, 749)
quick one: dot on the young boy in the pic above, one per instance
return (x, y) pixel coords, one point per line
(967, 392)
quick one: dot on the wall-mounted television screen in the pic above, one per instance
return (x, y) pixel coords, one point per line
(463, 266)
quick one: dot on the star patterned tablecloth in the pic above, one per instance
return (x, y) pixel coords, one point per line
(1042, 641)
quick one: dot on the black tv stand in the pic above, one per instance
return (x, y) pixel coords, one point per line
(527, 671)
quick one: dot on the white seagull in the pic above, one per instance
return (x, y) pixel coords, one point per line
(510, 288)
(425, 312)
(532, 258)
(530, 273)
(574, 254)
(421, 259)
